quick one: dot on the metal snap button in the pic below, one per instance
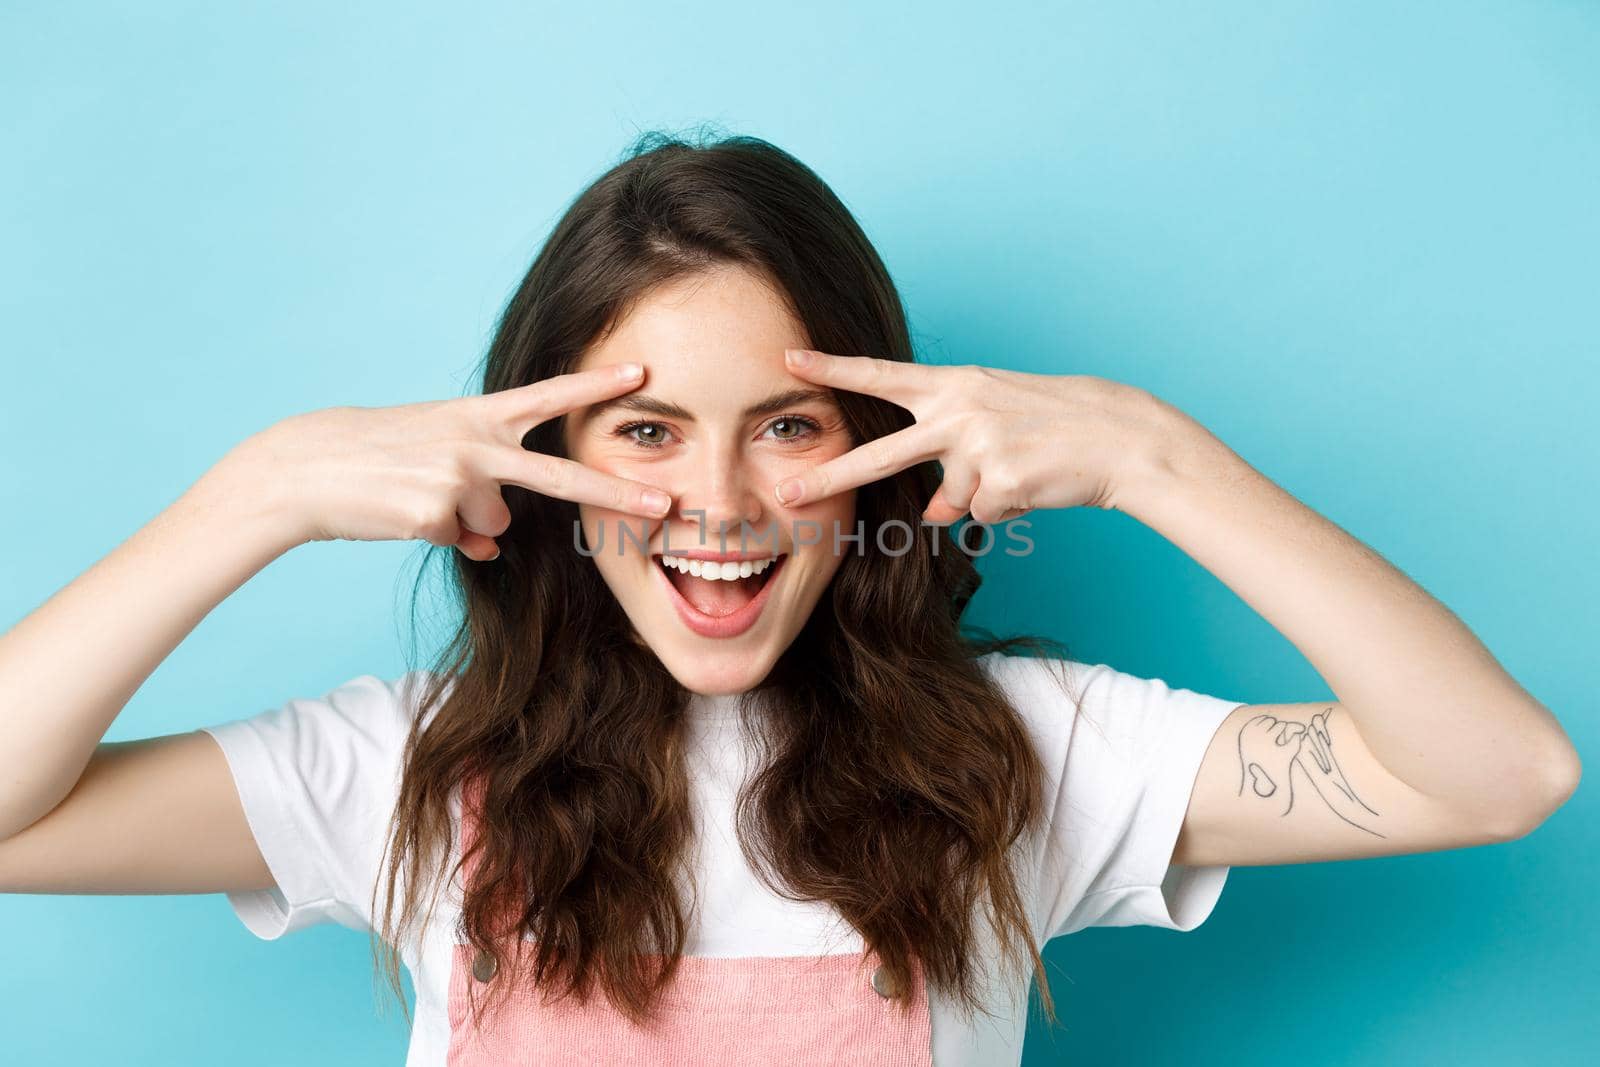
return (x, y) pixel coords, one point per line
(483, 966)
(882, 984)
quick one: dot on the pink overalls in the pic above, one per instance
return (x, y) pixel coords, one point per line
(747, 1010)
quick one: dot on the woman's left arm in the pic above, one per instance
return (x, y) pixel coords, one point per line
(1430, 743)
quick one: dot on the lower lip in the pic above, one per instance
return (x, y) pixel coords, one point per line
(719, 625)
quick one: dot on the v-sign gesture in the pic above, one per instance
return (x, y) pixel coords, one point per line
(434, 469)
(1008, 441)
(1430, 744)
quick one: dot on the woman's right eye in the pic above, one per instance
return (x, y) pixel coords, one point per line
(647, 434)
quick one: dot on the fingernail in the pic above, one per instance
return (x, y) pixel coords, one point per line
(657, 502)
(798, 357)
(789, 490)
(629, 370)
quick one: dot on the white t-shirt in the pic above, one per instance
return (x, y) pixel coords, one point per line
(318, 777)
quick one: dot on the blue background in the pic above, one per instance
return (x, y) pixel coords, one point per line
(1356, 240)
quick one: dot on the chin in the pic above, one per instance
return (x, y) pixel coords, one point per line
(732, 675)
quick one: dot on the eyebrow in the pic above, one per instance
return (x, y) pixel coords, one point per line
(651, 405)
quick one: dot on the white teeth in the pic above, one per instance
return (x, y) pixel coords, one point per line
(713, 571)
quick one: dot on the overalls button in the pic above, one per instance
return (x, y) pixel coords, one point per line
(483, 966)
(882, 984)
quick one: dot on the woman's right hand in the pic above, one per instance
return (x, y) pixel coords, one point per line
(433, 469)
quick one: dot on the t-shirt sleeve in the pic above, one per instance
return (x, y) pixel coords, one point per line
(318, 778)
(1121, 756)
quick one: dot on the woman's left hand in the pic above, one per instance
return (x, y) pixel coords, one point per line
(1009, 441)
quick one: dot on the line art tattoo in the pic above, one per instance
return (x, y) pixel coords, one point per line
(1271, 748)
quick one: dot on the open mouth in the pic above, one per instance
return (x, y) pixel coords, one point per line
(718, 598)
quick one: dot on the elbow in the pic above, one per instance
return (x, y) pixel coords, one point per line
(1559, 774)
(1550, 782)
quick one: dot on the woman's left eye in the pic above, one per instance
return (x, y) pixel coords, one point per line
(794, 427)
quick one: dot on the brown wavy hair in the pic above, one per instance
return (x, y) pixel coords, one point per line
(895, 778)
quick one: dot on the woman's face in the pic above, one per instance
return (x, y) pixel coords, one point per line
(716, 424)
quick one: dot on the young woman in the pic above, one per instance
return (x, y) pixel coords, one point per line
(710, 772)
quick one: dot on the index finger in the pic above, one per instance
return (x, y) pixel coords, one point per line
(567, 479)
(529, 405)
(890, 379)
(878, 458)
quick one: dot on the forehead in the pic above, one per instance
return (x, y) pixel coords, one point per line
(727, 325)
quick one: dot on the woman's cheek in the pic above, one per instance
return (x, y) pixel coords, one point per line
(837, 509)
(603, 526)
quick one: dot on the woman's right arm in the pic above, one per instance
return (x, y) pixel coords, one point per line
(81, 816)
(161, 815)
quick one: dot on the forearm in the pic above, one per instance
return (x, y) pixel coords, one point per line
(68, 668)
(1431, 702)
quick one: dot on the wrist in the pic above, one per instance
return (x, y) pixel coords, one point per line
(1177, 454)
(253, 498)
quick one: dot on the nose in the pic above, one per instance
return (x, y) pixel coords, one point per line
(720, 491)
